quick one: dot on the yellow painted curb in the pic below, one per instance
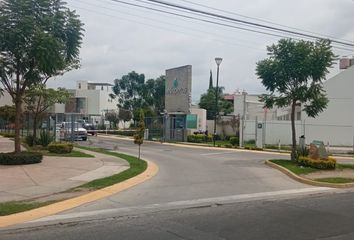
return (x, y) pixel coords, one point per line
(306, 180)
(55, 208)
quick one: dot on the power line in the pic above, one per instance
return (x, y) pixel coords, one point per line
(246, 22)
(262, 20)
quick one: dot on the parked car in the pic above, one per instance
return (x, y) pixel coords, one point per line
(80, 133)
(90, 128)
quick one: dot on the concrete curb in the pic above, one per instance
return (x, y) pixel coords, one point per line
(55, 208)
(198, 147)
(306, 180)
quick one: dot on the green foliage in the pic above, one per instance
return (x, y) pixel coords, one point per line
(137, 166)
(294, 74)
(60, 148)
(207, 101)
(135, 94)
(330, 163)
(30, 140)
(199, 138)
(294, 167)
(139, 134)
(124, 115)
(8, 113)
(20, 158)
(113, 118)
(45, 138)
(251, 142)
(228, 145)
(234, 141)
(303, 151)
(335, 180)
(42, 40)
(7, 135)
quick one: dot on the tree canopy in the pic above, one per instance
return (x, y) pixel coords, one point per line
(207, 101)
(39, 39)
(134, 93)
(294, 74)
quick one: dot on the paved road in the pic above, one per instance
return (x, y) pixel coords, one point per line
(326, 217)
(191, 173)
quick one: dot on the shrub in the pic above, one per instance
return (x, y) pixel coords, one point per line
(228, 145)
(234, 141)
(20, 158)
(8, 135)
(303, 151)
(30, 140)
(330, 163)
(252, 141)
(199, 138)
(45, 138)
(60, 148)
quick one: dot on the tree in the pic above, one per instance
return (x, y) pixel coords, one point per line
(112, 117)
(139, 135)
(8, 113)
(134, 93)
(38, 40)
(294, 74)
(207, 101)
(124, 115)
(39, 99)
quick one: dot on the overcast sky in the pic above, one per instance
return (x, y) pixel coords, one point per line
(119, 39)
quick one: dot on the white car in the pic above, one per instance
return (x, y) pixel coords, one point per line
(80, 133)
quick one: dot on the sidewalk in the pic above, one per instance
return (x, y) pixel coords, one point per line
(53, 175)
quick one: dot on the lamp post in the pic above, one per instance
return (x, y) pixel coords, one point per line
(218, 61)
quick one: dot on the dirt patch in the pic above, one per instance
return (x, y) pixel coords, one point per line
(338, 173)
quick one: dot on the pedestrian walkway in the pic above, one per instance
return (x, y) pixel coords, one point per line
(53, 175)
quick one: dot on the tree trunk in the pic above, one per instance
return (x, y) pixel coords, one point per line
(18, 105)
(34, 126)
(293, 131)
(139, 152)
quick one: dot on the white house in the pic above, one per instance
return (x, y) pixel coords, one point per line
(335, 125)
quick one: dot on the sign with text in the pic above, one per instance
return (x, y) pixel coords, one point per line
(178, 89)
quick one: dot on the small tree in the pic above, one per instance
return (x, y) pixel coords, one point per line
(294, 74)
(39, 99)
(124, 115)
(38, 40)
(139, 134)
(112, 117)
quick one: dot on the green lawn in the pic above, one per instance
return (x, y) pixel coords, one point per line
(345, 166)
(335, 180)
(293, 167)
(74, 153)
(12, 207)
(136, 167)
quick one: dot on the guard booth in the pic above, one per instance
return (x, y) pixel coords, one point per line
(176, 128)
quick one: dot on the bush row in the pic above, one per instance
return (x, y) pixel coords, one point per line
(7, 135)
(199, 138)
(60, 148)
(129, 133)
(330, 163)
(20, 158)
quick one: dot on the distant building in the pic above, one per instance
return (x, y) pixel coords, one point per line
(89, 100)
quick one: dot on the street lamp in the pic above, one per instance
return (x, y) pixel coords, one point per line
(218, 61)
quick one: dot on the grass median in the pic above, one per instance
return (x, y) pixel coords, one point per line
(136, 167)
(301, 170)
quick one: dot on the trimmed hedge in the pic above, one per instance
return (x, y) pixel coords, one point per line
(60, 148)
(129, 133)
(199, 138)
(330, 163)
(20, 158)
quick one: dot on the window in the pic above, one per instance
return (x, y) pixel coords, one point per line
(79, 85)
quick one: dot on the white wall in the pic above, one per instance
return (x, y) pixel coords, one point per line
(335, 124)
(201, 118)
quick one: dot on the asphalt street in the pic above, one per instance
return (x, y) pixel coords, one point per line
(193, 173)
(326, 217)
(195, 190)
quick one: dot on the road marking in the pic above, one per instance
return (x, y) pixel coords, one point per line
(188, 203)
(211, 154)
